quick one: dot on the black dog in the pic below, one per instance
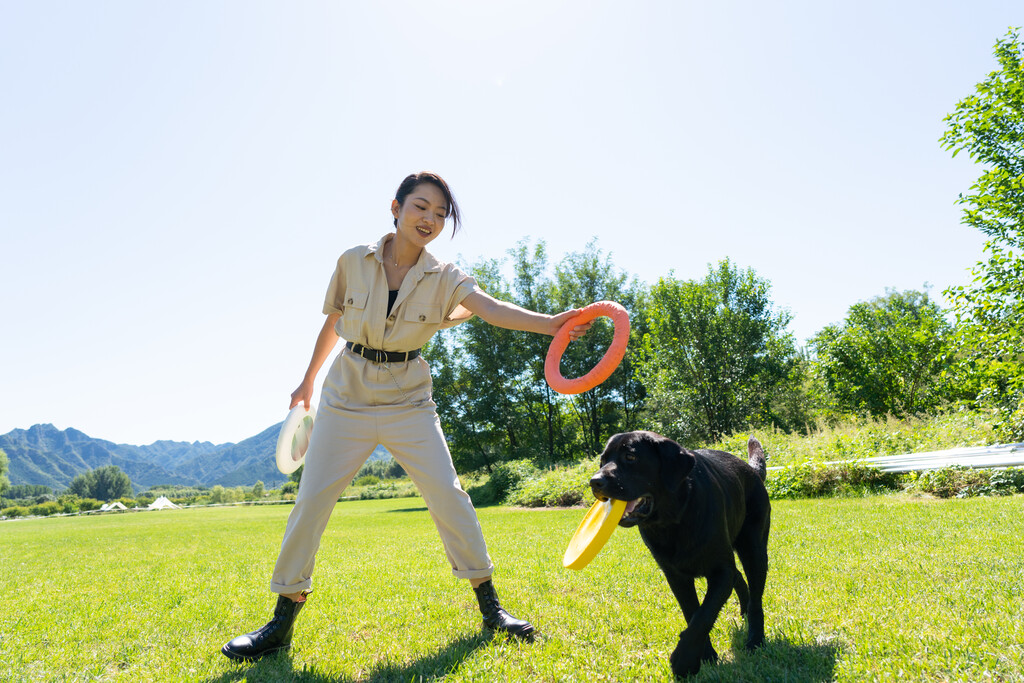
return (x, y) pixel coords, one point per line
(694, 508)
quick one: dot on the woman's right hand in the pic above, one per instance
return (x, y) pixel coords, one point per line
(302, 395)
(325, 342)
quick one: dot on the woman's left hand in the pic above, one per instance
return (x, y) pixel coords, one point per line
(576, 332)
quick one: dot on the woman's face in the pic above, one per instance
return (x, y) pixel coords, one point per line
(421, 216)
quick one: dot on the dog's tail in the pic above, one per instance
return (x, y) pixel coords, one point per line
(756, 458)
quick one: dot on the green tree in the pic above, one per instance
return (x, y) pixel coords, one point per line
(478, 373)
(989, 126)
(717, 355)
(104, 483)
(493, 400)
(218, 494)
(258, 490)
(26, 490)
(232, 495)
(613, 405)
(888, 357)
(68, 502)
(4, 464)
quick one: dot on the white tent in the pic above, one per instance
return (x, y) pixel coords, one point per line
(162, 503)
(116, 505)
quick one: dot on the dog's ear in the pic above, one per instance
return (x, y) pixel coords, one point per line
(676, 463)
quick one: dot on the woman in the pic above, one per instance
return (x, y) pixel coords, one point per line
(387, 300)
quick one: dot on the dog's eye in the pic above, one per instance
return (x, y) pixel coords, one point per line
(629, 456)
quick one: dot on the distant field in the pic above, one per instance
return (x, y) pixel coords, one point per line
(859, 589)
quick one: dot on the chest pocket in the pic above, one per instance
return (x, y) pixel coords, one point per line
(352, 318)
(424, 314)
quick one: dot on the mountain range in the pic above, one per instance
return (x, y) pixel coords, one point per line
(43, 454)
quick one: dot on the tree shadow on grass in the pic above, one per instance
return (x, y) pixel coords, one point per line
(779, 659)
(419, 509)
(437, 665)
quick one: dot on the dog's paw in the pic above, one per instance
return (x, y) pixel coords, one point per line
(709, 656)
(685, 661)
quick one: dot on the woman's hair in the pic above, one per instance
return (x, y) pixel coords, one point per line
(410, 183)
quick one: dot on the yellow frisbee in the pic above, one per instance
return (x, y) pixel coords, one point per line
(593, 532)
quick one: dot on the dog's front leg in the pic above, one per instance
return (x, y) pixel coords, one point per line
(695, 642)
(686, 595)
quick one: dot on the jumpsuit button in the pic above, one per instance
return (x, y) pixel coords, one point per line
(391, 317)
(423, 318)
(349, 300)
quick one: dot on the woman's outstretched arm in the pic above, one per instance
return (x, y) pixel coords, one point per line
(512, 317)
(325, 343)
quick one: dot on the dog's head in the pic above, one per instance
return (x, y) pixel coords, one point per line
(641, 468)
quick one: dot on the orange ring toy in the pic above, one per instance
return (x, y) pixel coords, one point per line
(606, 366)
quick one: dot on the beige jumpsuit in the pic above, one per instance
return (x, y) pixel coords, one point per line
(364, 403)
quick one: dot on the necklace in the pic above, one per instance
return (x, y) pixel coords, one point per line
(394, 256)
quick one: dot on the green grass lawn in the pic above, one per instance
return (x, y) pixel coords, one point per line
(859, 589)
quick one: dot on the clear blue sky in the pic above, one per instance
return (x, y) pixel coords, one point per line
(178, 179)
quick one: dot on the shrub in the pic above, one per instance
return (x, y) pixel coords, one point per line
(561, 487)
(86, 504)
(388, 489)
(810, 480)
(853, 479)
(789, 481)
(860, 439)
(15, 511)
(174, 493)
(477, 484)
(1010, 480)
(951, 481)
(505, 476)
(963, 482)
(383, 469)
(1011, 428)
(45, 509)
(366, 480)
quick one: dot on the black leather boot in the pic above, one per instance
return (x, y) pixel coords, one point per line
(497, 618)
(274, 636)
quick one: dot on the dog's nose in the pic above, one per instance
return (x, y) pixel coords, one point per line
(597, 485)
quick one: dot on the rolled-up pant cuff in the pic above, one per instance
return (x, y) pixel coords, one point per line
(473, 573)
(294, 588)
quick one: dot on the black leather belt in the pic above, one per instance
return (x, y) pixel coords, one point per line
(378, 356)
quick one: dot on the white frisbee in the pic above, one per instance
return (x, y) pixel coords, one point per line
(293, 440)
